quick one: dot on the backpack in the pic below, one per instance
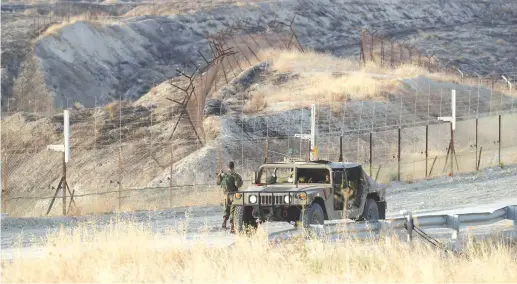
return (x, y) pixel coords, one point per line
(229, 182)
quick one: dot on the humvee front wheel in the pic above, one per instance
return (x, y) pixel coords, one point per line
(313, 215)
(371, 211)
(243, 219)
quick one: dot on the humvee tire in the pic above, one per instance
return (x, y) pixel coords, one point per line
(382, 209)
(371, 211)
(243, 219)
(312, 215)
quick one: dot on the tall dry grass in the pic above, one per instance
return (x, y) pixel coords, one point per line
(98, 18)
(131, 252)
(310, 77)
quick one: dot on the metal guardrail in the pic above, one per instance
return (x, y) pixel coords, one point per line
(454, 222)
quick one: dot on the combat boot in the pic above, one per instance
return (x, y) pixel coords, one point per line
(232, 228)
(224, 222)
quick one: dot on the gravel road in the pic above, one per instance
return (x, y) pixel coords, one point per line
(484, 191)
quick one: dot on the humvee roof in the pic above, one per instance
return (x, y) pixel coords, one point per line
(334, 165)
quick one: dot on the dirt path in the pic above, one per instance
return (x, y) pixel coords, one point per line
(484, 191)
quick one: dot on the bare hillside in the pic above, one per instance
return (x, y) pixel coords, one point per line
(131, 54)
(236, 125)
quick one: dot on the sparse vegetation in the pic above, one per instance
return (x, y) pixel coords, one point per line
(89, 254)
(256, 104)
(112, 109)
(332, 79)
(102, 18)
(78, 106)
(30, 91)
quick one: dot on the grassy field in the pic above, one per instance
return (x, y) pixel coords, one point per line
(131, 252)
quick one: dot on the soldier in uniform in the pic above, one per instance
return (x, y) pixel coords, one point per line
(230, 181)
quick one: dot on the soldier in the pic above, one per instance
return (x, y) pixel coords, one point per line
(230, 181)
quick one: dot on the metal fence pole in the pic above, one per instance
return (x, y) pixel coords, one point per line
(426, 147)
(341, 148)
(499, 141)
(170, 177)
(451, 149)
(4, 182)
(476, 161)
(371, 160)
(398, 157)
(63, 187)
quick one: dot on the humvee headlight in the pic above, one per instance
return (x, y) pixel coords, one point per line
(238, 195)
(302, 195)
(287, 199)
(253, 199)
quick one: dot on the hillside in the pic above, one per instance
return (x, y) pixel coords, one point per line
(237, 131)
(132, 54)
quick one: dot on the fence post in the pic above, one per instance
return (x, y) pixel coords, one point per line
(398, 158)
(63, 188)
(432, 166)
(476, 161)
(267, 150)
(170, 177)
(479, 157)
(4, 183)
(371, 160)
(341, 148)
(426, 147)
(499, 141)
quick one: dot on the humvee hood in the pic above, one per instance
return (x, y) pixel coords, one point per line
(284, 188)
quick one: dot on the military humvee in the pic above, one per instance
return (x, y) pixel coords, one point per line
(306, 193)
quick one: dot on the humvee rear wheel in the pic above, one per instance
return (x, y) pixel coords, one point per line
(371, 211)
(313, 215)
(243, 219)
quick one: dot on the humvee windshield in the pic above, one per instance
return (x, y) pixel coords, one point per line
(276, 175)
(272, 175)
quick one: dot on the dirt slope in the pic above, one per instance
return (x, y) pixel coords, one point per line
(84, 62)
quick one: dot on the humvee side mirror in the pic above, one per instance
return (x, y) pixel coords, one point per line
(255, 177)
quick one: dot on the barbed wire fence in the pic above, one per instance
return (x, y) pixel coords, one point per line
(113, 140)
(390, 52)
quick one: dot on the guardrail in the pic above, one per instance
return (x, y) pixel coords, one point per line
(408, 222)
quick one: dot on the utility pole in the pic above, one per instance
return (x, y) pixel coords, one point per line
(65, 148)
(313, 136)
(452, 120)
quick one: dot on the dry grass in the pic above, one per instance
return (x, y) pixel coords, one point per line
(255, 104)
(112, 109)
(55, 29)
(131, 252)
(322, 78)
(212, 127)
(162, 9)
(167, 8)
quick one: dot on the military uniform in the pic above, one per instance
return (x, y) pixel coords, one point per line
(225, 180)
